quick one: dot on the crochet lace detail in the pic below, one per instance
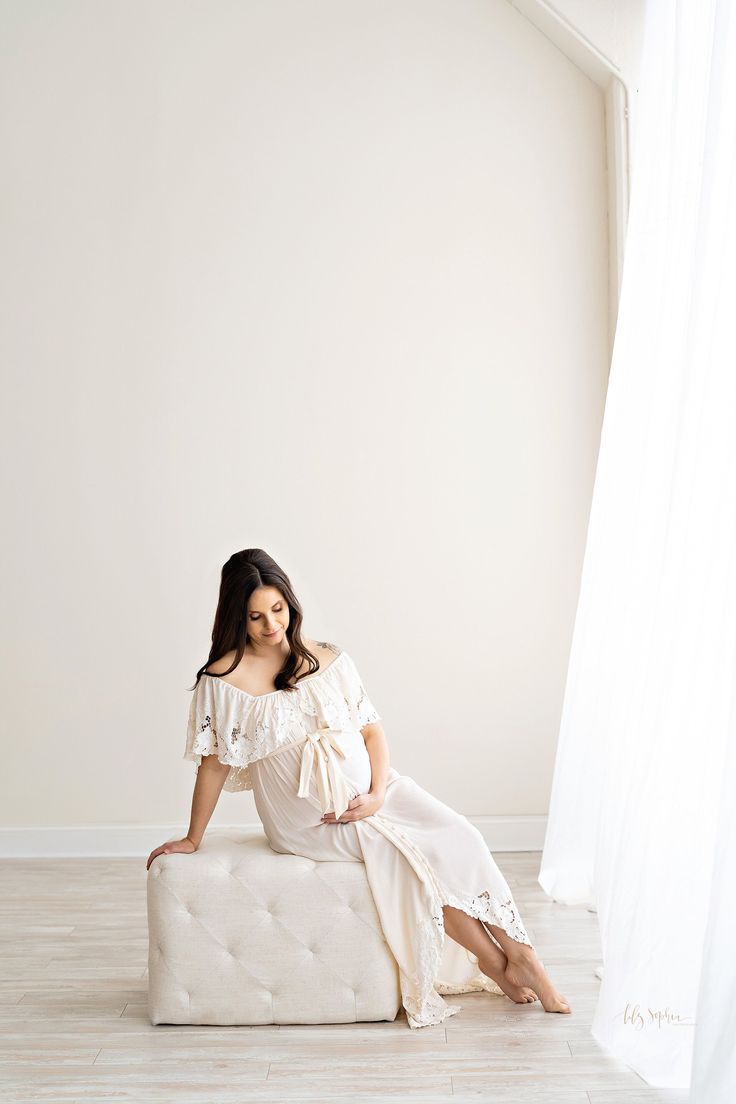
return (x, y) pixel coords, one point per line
(421, 995)
(240, 728)
(490, 910)
(364, 710)
(422, 1003)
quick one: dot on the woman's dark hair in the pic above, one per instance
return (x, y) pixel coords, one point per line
(243, 573)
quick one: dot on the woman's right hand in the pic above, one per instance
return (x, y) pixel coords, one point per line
(172, 847)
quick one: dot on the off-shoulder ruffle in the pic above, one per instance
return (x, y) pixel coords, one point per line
(239, 728)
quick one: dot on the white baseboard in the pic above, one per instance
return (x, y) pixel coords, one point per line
(501, 833)
(512, 833)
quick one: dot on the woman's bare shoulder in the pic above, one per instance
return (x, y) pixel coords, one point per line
(224, 663)
(324, 650)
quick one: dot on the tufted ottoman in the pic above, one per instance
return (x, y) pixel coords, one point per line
(240, 934)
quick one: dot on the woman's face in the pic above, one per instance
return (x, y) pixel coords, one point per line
(268, 616)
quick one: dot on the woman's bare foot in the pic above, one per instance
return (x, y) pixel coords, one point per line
(524, 968)
(495, 968)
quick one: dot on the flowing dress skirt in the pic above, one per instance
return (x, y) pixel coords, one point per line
(419, 855)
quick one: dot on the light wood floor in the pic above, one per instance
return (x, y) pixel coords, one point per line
(74, 1025)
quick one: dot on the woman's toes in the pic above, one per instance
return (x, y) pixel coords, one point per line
(527, 970)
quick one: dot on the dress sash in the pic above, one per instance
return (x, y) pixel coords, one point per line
(319, 754)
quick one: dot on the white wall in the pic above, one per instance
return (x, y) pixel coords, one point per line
(328, 279)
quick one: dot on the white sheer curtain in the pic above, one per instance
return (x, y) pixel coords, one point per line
(647, 717)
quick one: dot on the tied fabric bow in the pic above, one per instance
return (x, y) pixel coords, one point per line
(334, 790)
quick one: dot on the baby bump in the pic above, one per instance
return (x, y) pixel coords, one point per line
(276, 781)
(356, 766)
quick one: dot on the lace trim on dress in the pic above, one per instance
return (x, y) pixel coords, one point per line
(240, 728)
(364, 711)
(492, 911)
(421, 996)
(422, 999)
(207, 742)
(423, 1004)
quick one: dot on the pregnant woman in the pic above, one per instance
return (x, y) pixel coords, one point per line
(290, 719)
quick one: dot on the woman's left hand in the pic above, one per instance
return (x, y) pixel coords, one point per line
(364, 805)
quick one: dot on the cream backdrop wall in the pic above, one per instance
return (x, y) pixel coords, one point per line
(328, 279)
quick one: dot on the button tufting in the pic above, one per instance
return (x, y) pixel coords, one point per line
(218, 990)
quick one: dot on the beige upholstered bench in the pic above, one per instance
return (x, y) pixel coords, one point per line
(239, 934)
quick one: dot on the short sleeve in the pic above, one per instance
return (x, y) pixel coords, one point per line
(362, 707)
(207, 734)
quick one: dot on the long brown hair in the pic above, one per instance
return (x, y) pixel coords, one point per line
(243, 573)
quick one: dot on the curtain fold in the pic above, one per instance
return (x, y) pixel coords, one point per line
(635, 811)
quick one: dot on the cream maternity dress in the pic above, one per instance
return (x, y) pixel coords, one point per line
(302, 754)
